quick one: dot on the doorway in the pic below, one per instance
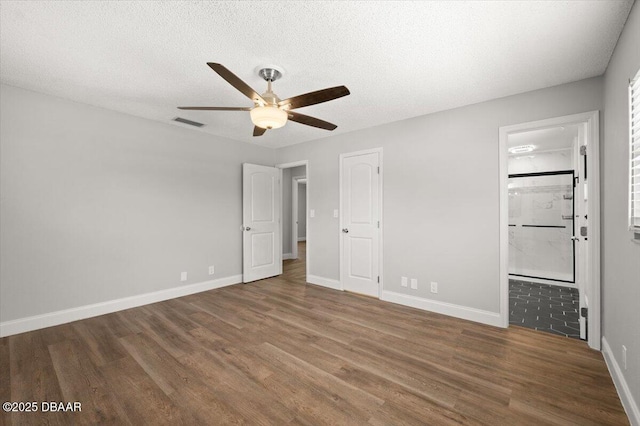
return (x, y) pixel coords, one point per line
(549, 226)
(298, 214)
(294, 177)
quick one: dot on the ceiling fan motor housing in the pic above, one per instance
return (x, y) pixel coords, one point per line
(270, 72)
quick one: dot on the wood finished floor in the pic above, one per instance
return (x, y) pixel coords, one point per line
(281, 352)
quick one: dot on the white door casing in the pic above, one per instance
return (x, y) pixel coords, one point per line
(360, 202)
(580, 220)
(261, 211)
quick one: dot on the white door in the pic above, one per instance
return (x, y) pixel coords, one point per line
(261, 240)
(359, 267)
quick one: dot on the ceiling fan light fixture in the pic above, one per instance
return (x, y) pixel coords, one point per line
(268, 117)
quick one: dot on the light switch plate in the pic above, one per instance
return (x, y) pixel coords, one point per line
(335, 213)
(403, 281)
(312, 213)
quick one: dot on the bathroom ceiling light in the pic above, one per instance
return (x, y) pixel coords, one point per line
(520, 149)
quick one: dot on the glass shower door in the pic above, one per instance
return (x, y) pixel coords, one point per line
(541, 213)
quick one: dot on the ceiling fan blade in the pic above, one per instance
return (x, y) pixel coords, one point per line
(217, 108)
(310, 121)
(316, 97)
(258, 131)
(235, 81)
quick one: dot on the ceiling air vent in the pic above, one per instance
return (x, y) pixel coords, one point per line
(189, 122)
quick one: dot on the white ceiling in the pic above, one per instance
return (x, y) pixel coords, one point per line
(551, 139)
(399, 59)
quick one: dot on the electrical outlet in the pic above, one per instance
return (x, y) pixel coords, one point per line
(312, 213)
(183, 276)
(434, 287)
(403, 281)
(624, 357)
(414, 283)
(335, 213)
(212, 270)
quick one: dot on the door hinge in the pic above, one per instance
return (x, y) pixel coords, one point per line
(583, 150)
(378, 169)
(378, 279)
(584, 312)
(576, 180)
(378, 224)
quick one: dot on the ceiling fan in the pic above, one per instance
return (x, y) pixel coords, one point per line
(269, 111)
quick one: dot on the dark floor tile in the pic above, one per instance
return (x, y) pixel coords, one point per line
(549, 308)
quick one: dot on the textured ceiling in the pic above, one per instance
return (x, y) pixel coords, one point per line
(399, 59)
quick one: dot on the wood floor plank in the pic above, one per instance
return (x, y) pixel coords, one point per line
(33, 377)
(140, 397)
(5, 379)
(280, 351)
(183, 387)
(80, 381)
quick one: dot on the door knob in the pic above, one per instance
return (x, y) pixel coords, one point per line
(575, 238)
(345, 230)
(247, 228)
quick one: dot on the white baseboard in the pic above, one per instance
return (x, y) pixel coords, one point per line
(325, 282)
(302, 239)
(287, 256)
(629, 404)
(458, 311)
(36, 322)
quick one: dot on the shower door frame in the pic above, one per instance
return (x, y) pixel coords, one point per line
(573, 220)
(591, 124)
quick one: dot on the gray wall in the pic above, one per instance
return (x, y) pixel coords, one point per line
(287, 200)
(302, 211)
(441, 192)
(98, 205)
(621, 256)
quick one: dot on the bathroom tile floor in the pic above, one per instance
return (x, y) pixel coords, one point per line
(549, 308)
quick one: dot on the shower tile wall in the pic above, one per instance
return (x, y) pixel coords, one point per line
(541, 226)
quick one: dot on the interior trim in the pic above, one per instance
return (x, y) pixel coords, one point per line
(626, 397)
(457, 311)
(37, 322)
(324, 282)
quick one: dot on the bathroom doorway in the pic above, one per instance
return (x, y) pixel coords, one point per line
(550, 226)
